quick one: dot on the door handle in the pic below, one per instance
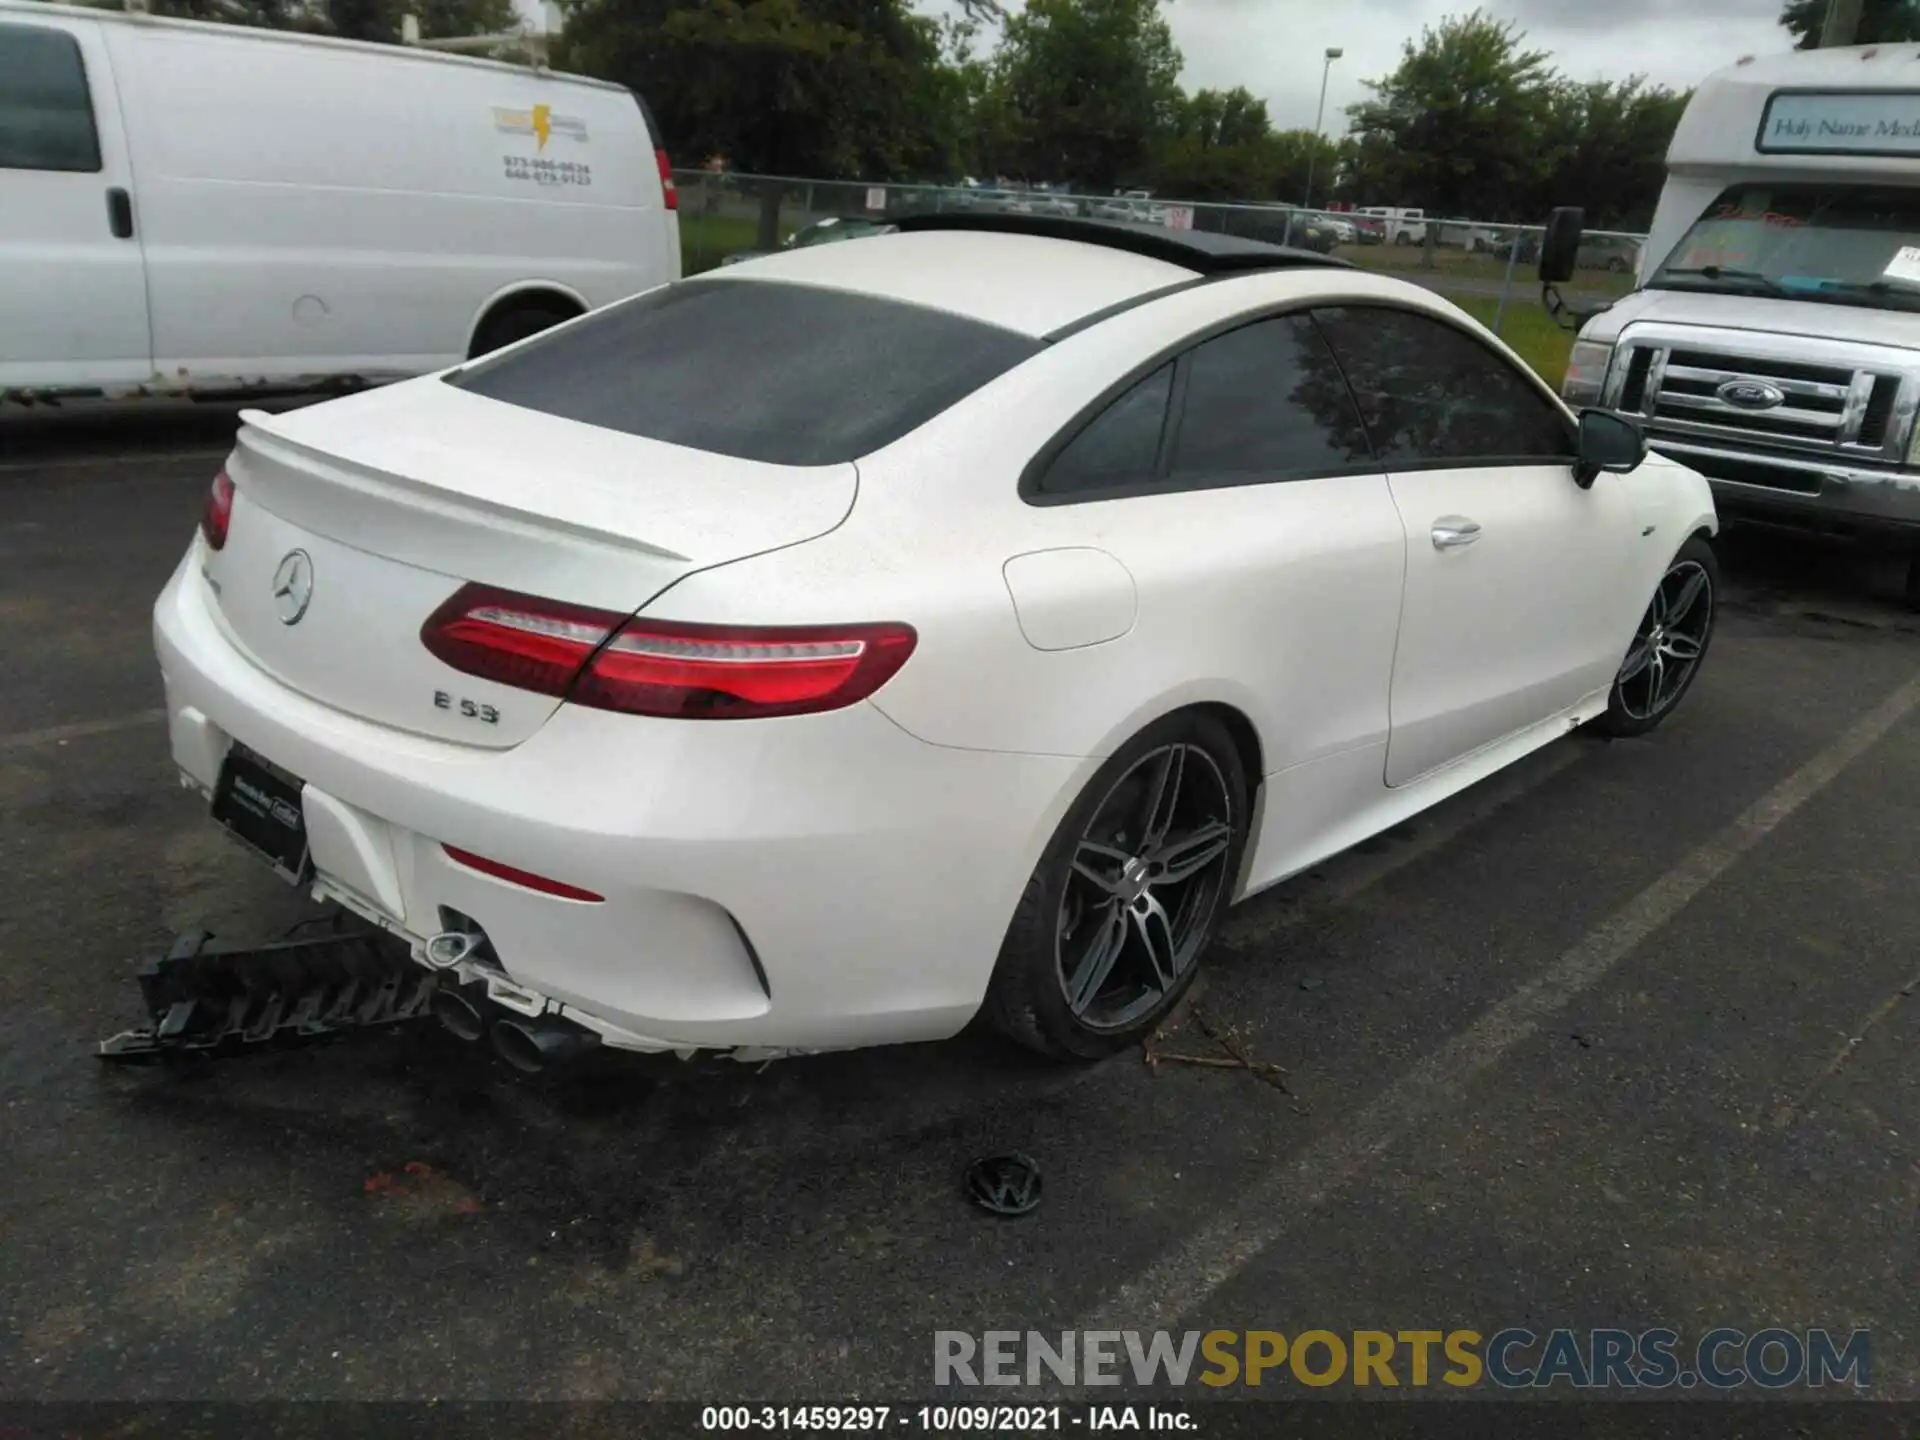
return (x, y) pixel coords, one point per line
(120, 213)
(1450, 532)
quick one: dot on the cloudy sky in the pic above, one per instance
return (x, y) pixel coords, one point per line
(1274, 47)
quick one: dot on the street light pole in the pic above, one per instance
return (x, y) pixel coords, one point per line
(1313, 156)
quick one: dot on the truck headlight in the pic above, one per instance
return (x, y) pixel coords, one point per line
(1586, 372)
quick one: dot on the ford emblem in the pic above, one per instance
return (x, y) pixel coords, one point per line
(1752, 394)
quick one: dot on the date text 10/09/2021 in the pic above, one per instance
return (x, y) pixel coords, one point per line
(942, 1419)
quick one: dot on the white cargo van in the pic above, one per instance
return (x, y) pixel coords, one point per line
(195, 209)
(1774, 344)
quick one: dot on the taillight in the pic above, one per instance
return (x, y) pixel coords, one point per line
(519, 640)
(661, 667)
(671, 195)
(730, 672)
(219, 512)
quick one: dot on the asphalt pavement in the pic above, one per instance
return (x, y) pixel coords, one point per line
(1621, 1038)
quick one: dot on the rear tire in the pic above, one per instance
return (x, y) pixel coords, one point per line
(1669, 645)
(1110, 930)
(504, 327)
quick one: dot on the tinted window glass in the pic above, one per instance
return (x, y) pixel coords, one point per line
(787, 374)
(1431, 392)
(46, 115)
(1267, 399)
(1122, 444)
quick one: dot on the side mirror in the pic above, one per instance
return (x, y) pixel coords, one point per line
(1560, 250)
(1608, 444)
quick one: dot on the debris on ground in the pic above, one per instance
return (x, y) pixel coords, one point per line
(1004, 1184)
(1234, 1055)
(207, 999)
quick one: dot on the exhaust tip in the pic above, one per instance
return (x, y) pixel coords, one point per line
(458, 1014)
(531, 1047)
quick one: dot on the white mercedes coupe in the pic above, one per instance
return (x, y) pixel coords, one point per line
(824, 651)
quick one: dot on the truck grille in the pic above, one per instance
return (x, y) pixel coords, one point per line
(1830, 400)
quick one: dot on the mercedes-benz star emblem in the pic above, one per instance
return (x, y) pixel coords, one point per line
(293, 586)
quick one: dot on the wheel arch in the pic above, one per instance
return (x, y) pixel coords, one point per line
(526, 294)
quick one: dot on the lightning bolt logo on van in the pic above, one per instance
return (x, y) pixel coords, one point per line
(539, 122)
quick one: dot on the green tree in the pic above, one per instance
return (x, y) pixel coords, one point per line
(1085, 88)
(1882, 22)
(1218, 145)
(1456, 127)
(834, 88)
(1604, 147)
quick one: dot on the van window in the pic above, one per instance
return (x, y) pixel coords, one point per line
(46, 114)
(785, 374)
(1841, 243)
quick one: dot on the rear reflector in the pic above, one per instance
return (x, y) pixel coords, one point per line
(219, 512)
(667, 190)
(521, 877)
(661, 667)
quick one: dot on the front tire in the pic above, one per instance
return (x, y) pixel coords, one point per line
(1668, 646)
(1111, 927)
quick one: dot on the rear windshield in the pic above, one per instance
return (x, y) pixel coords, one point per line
(786, 374)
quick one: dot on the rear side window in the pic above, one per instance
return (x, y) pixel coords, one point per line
(1266, 401)
(1432, 394)
(46, 114)
(1120, 447)
(785, 374)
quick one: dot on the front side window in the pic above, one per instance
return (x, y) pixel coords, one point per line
(1831, 244)
(758, 369)
(46, 113)
(1431, 394)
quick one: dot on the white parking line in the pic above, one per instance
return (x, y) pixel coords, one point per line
(60, 734)
(1185, 1278)
(146, 457)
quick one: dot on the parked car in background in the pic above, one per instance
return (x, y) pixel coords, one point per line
(1617, 253)
(1313, 232)
(1342, 228)
(822, 232)
(1134, 205)
(1367, 230)
(323, 213)
(1401, 226)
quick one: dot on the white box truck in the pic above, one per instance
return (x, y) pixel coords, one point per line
(1774, 342)
(195, 209)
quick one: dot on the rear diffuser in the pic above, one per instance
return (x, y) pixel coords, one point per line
(206, 998)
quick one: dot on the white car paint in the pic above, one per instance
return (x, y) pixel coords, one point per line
(866, 861)
(308, 210)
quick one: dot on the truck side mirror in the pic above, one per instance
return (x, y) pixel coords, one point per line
(1560, 250)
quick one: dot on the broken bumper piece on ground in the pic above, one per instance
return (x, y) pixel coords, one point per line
(210, 999)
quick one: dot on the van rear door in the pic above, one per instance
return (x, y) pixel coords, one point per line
(73, 287)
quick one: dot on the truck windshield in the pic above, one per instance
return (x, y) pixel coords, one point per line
(1833, 244)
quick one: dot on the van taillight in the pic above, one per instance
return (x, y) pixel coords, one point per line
(671, 195)
(219, 511)
(661, 667)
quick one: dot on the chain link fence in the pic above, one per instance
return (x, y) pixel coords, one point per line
(1487, 268)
